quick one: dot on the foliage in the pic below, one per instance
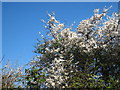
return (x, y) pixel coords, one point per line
(77, 58)
(34, 77)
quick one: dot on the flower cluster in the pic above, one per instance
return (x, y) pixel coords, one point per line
(67, 50)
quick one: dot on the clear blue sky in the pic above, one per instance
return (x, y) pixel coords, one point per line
(21, 24)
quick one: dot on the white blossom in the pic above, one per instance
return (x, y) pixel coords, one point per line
(90, 34)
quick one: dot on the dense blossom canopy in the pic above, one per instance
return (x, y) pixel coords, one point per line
(84, 51)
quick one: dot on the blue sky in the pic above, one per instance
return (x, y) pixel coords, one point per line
(21, 23)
